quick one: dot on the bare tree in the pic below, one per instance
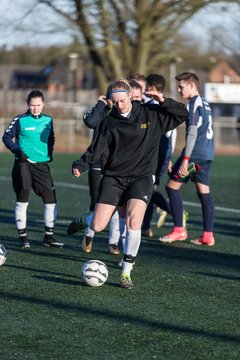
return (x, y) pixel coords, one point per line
(127, 36)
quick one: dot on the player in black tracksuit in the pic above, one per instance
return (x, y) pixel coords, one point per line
(130, 148)
(93, 120)
(128, 142)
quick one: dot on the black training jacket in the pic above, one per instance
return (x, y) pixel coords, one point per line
(129, 146)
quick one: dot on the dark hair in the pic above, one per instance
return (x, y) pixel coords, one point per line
(189, 77)
(134, 84)
(156, 80)
(34, 94)
(108, 93)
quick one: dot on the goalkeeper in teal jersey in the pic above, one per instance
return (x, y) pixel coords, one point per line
(30, 137)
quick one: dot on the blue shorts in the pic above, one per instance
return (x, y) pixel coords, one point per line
(201, 176)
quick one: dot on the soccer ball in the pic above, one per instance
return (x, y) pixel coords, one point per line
(94, 273)
(3, 254)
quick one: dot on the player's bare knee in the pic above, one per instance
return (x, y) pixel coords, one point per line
(97, 226)
(133, 224)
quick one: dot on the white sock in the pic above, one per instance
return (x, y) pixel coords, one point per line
(114, 229)
(127, 267)
(132, 244)
(123, 230)
(89, 232)
(21, 215)
(50, 215)
(122, 225)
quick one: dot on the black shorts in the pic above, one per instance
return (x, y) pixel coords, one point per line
(94, 180)
(117, 190)
(27, 176)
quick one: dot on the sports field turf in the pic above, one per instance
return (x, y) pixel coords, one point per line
(185, 303)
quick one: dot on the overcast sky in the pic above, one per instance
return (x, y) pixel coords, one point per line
(223, 15)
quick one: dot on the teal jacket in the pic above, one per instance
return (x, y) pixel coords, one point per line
(34, 137)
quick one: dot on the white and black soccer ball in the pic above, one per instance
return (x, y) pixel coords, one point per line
(3, 254)
(94, 273)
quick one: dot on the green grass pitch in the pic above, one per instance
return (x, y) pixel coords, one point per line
(185, 303)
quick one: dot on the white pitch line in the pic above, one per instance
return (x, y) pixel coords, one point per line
(85, 187)
(69, 185)
(220, 208)
(72, 186)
